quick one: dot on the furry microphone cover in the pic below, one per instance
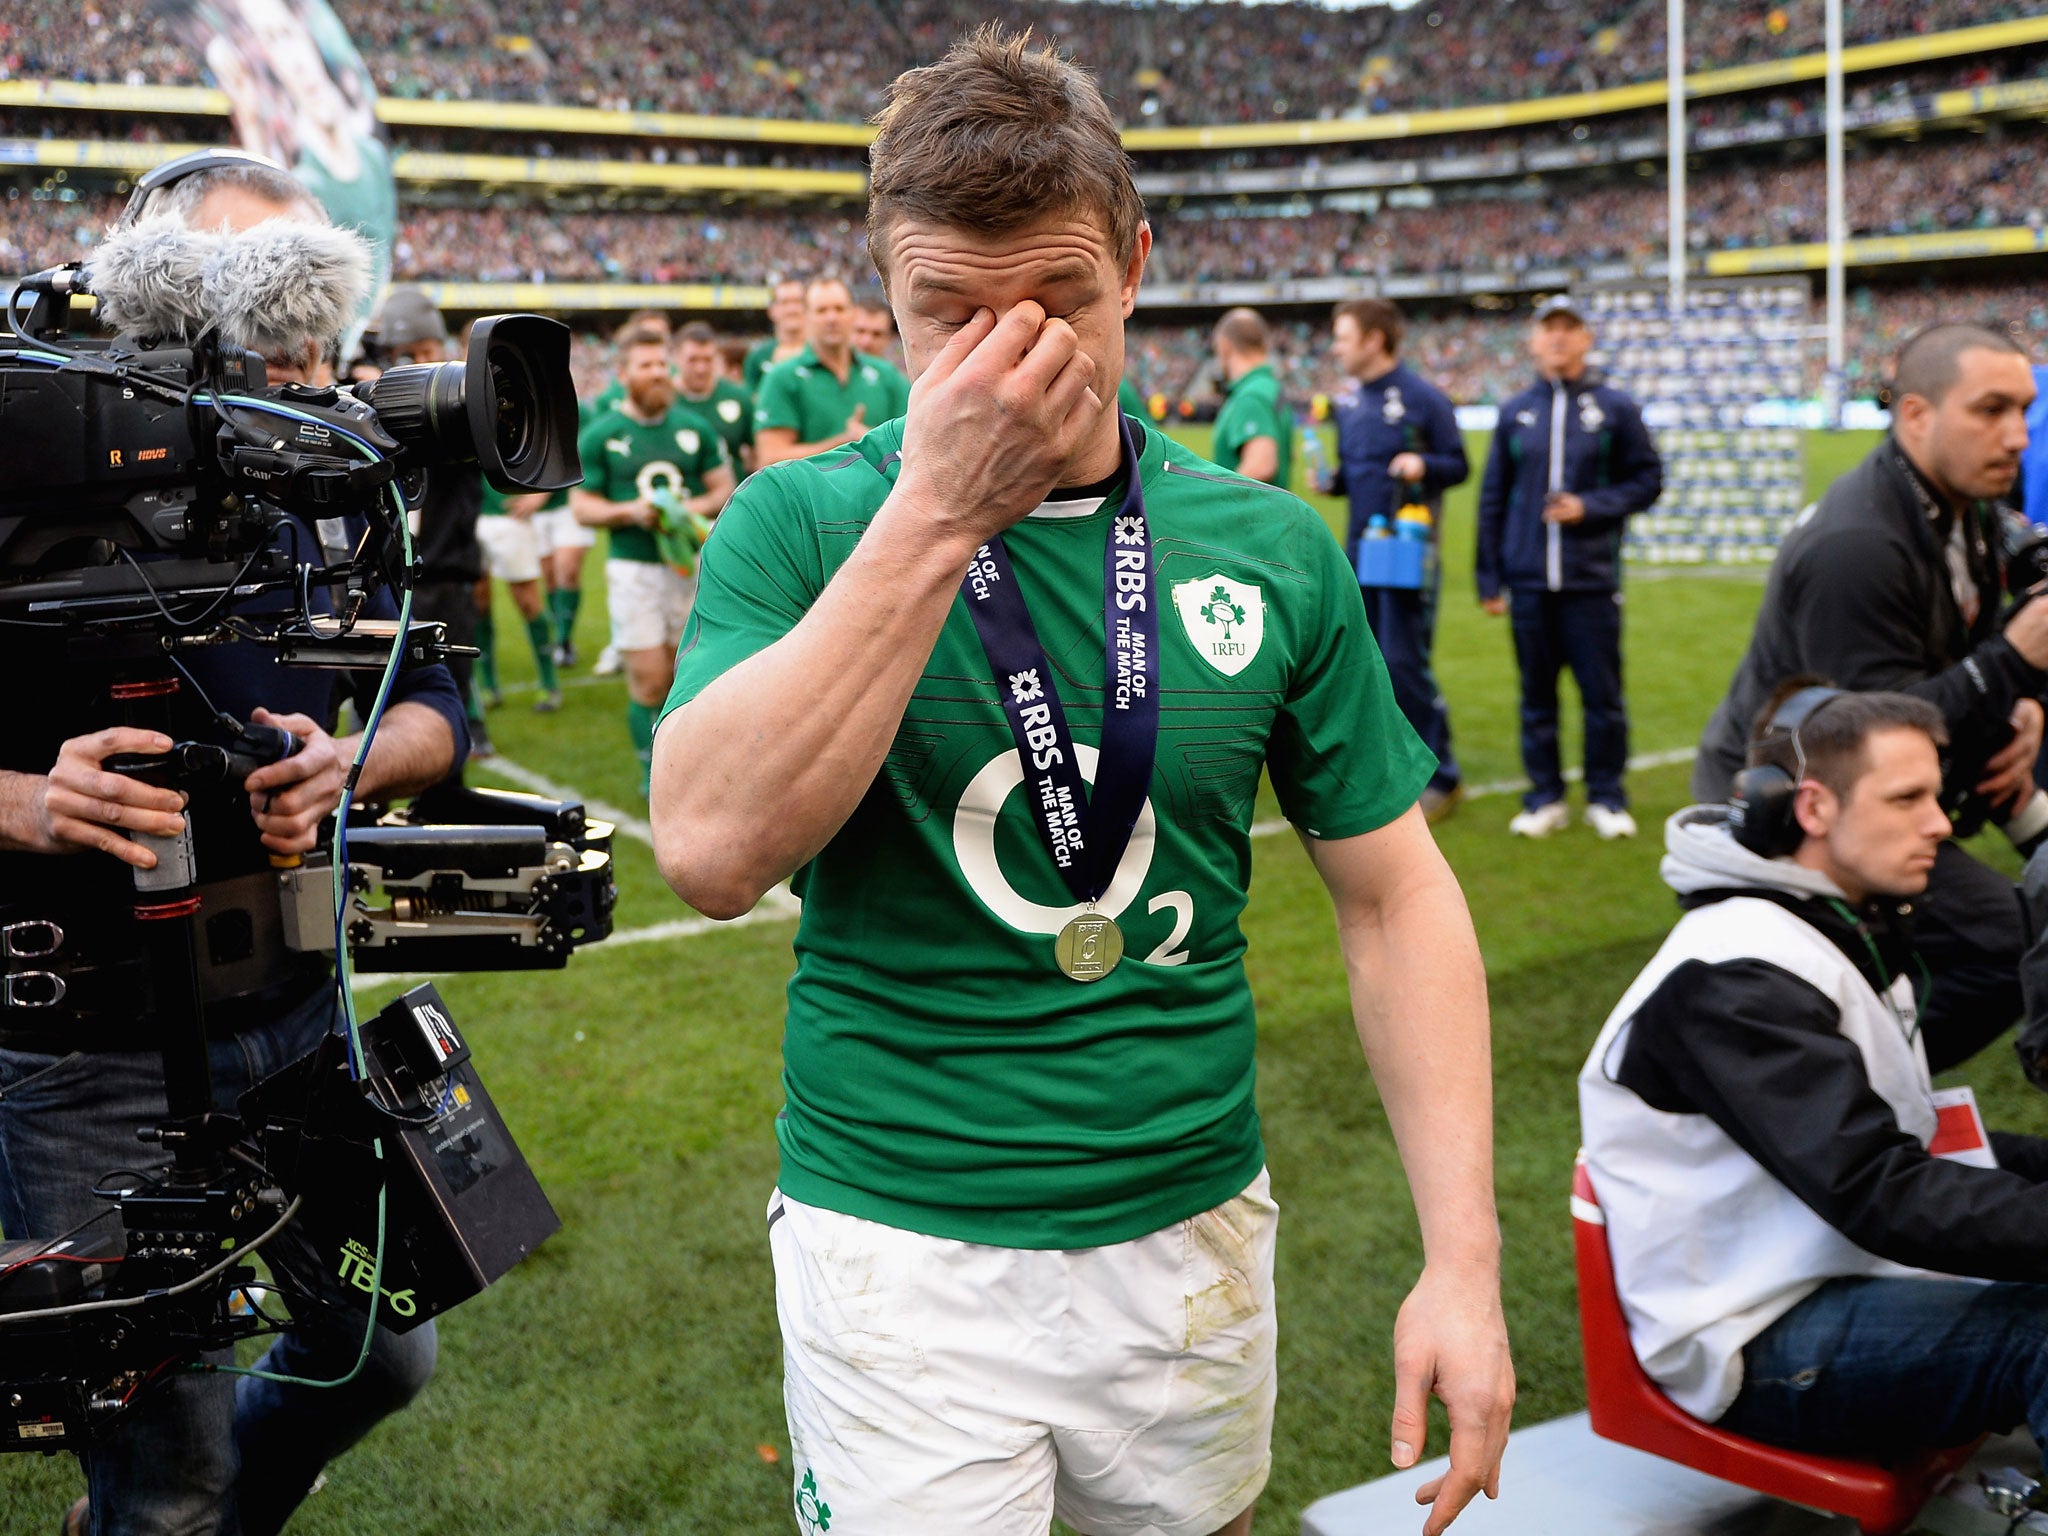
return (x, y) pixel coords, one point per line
(270, 289)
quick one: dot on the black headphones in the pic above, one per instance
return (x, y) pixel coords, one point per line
(172, 172)
(1760, 802)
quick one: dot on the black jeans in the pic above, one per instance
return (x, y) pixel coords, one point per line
(1971, 928)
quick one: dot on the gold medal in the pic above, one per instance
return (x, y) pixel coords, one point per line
(1089, 947)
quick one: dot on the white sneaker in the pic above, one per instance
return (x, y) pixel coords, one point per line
(1610, 822)
(608, 663)
(1542, 821)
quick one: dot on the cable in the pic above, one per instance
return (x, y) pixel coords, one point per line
(369, 1325)
(123, 1303)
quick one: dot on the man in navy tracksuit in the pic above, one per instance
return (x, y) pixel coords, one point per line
(1398, 441)
(1571, 459)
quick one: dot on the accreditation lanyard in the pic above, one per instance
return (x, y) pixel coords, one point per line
(1085, 834)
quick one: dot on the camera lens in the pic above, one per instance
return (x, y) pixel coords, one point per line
(509, 408)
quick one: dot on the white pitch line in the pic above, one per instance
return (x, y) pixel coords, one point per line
(539, 783)
(779, 906)
(1515, 786)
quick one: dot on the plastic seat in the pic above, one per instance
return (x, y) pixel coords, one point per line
(1626, 1406)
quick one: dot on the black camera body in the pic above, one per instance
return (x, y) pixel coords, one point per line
(155, 494)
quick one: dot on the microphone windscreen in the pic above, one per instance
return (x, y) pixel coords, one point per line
(272, 288)
(150, 279)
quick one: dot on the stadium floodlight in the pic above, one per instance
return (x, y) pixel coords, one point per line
(1674, 149)
(1838, 223)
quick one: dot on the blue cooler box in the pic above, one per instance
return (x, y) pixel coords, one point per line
(1393, 562)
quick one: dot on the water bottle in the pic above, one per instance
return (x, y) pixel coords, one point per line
(1313, 463)
(1412, 522)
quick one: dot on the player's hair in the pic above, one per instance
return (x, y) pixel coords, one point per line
(1374, 315)
(874, 307)
(181, 199)
(1244, 329)
(641, 336)
(698, 334)
(781, 280)
(641, 320)
(1835, 736)
(1932, 357)
(828, 280)
(998, 134)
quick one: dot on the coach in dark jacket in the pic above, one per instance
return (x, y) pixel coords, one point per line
(1570, 461)
(1895, 581)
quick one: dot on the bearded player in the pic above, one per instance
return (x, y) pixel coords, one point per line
(648, 457)
(994, 686)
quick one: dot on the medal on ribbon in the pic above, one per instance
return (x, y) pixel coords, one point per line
(1085, 833)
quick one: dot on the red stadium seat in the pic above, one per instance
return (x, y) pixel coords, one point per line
(1626, 1406)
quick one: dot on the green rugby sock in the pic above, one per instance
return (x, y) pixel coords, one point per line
(640, 723)
(571, 600)
(540, 629)
(486, 672)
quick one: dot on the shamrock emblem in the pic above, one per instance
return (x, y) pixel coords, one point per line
(1221, 610)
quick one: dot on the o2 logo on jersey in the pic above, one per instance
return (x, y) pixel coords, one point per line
(974, 846)
(660, 475)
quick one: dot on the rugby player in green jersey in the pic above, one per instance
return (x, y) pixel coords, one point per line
(648, 451)
(786, 317)
(1253, 430)
(1023, 1235)
(829, 393)
(874, 330)
(728, 408)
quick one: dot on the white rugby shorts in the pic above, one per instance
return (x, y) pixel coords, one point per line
(511, 548)
(940, 1386)
(559, 529)
(649, 604)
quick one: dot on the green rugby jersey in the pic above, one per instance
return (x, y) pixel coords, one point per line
(1252, 409)
(624, 460)
(731, 410)
(940, 1074)
(803, 394)
(759, 359)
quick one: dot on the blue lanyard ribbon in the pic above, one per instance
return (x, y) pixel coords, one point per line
(1085, 834)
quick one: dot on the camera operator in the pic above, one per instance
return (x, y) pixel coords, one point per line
(81, 1075)
(1798, 1261)
(410, 329)
(1896, 581)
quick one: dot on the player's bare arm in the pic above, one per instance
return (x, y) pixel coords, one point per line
(594, 511)
(1418, 995)
(774, 444)
(755, 775)
(719, 485)
(1260, 460)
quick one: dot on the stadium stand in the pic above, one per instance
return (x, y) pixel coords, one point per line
(1944, 148)
(1215, 63)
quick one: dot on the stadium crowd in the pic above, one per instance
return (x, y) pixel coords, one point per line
(1957, 182)
(1216, 62)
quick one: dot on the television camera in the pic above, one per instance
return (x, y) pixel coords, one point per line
(158, 495)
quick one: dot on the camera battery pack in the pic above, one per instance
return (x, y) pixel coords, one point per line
(461, 1206)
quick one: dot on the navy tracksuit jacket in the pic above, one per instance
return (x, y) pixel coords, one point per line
(1401, 412)
(1563, 581)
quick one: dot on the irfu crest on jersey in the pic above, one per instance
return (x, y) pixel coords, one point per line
(1225, 619)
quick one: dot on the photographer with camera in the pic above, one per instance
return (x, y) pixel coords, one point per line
(81, 1074)
(1800, 1222)
(1896, 580)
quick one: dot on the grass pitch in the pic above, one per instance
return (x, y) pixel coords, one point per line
(627, 1378)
